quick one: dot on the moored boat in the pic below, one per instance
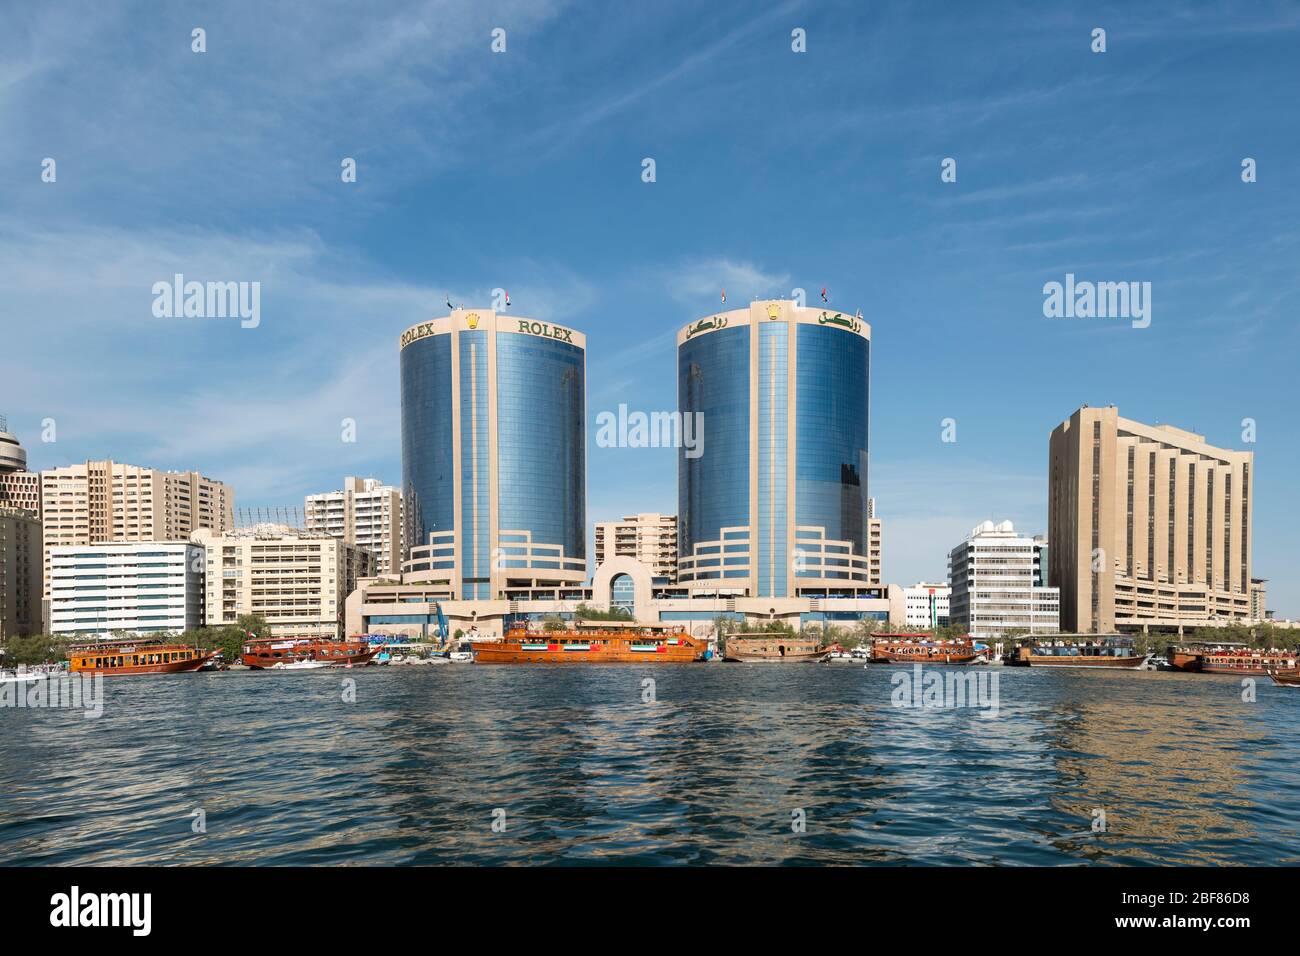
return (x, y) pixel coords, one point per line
(600, 643)
(265, 653)
(136, 657)
(1230, 657)
(304, 665)
(1082, 650)
(1286, 678)
(773, 648)
(922, 649)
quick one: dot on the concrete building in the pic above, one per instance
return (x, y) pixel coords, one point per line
(494, 456)
(1259, 599)
(651, 538)
(298, 581)
(13, 457)
(875, 545)
(996, 590)
(921, 605)
(98, 502)
(417, 609)
(20, 573)
(1150, 526)
(776, 506)
(19, 488)
(141, 587)
(365, 513)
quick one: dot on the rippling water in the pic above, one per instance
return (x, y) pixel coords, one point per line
(287, 772)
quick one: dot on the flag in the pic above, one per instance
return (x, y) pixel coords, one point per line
(449, 305)
(824, 297)
(724, 295)
(507, 298)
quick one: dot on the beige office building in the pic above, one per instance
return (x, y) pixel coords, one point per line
(97, 502)
(1150, 526)
(875, 545)
(298, 581)
(366, 513)
(651, 538)
(20, 573)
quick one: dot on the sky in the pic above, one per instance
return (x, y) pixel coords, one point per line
(774, 170)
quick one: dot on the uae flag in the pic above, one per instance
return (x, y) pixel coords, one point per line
(724, 295)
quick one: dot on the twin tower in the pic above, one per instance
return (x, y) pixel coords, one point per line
(774, 503)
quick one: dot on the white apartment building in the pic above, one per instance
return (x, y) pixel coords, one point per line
(367, 513)
(649, 537)
(142, 587)
(921, 605)
(996, 589)
(298, 581)
(106, 501)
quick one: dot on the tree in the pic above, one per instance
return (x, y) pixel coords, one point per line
(585, 612)
(34, 649)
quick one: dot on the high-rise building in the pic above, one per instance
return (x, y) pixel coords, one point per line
(98, 502)
(141, 587)
(1150, 525)
(298, 581)
(366, 513)
(20, 573)
(494, 455)
(19, 488)
(13, 457)
(1259, 599)
(651, 538)
(996, 589)
(776, 506)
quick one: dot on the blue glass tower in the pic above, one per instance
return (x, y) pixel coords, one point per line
(494, 455)
(776, 504)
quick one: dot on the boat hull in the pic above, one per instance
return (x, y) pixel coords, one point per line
(1112, 663)
(595, 652)
(171, 667)
(929, 658)
(1286, 678)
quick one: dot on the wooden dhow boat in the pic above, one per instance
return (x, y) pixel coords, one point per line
(1286, 678)
(1079, 650)
(264, 653)
(773, 648)
(1230, 657)
(599, 642)
(136, 657)
(922, 649)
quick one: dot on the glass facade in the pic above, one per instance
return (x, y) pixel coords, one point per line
(832, 402)
(542, 459)
(810, 392)
(538, 387)
(427, 478)
(713, 489)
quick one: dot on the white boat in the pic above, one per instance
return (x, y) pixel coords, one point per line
(299, 665)
(27, 676)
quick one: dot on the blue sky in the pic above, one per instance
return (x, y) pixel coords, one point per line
(774, 170)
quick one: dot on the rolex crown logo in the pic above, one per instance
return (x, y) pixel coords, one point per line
(773, 311)
(472, 319)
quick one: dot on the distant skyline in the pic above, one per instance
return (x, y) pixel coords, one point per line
(774, 170)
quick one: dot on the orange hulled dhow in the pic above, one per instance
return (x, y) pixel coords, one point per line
(136, 657)
(603, 642)
(265, 653)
